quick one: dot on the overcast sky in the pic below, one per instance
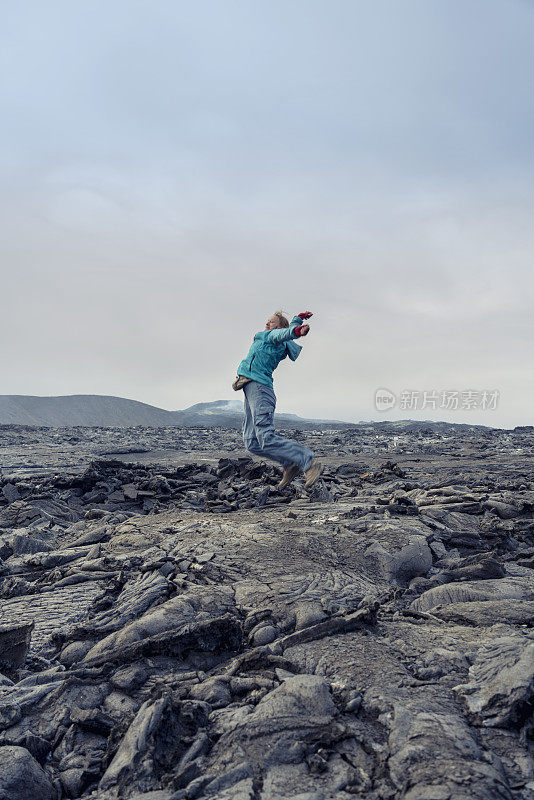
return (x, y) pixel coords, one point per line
(172, 172)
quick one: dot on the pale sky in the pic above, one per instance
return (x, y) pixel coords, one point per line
(174, 172)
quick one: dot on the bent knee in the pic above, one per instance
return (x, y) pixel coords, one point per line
(269, 438)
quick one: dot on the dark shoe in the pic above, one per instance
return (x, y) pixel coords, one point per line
(313, 473)
(290, 472)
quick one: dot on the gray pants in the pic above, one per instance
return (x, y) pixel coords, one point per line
(258, 429)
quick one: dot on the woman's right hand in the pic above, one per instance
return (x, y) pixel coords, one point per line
(302, 330)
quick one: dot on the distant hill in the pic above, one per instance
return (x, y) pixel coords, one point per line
(92, 410)
(79, 409)
(95, 410)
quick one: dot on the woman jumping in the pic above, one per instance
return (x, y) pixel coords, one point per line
(255, 377)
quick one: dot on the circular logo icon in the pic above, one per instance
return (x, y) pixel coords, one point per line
(384, 399)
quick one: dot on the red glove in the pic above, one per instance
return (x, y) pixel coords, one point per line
(305, 315)
(301, 330)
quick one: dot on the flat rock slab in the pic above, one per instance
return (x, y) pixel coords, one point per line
(501, 684)
(49, 611)
(489, 612)
(517, 588)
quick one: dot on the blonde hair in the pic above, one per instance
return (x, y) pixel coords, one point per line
(282, 321)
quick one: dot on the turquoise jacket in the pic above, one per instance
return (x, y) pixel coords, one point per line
(267, 350)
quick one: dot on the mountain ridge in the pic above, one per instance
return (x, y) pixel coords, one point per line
(93, 410)
(90, 410)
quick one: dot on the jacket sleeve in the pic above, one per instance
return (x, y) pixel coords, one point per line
(293, 350)
(284, 334)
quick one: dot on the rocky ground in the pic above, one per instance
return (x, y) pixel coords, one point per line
(172, 626)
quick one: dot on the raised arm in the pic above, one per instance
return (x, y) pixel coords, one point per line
(295, 330)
